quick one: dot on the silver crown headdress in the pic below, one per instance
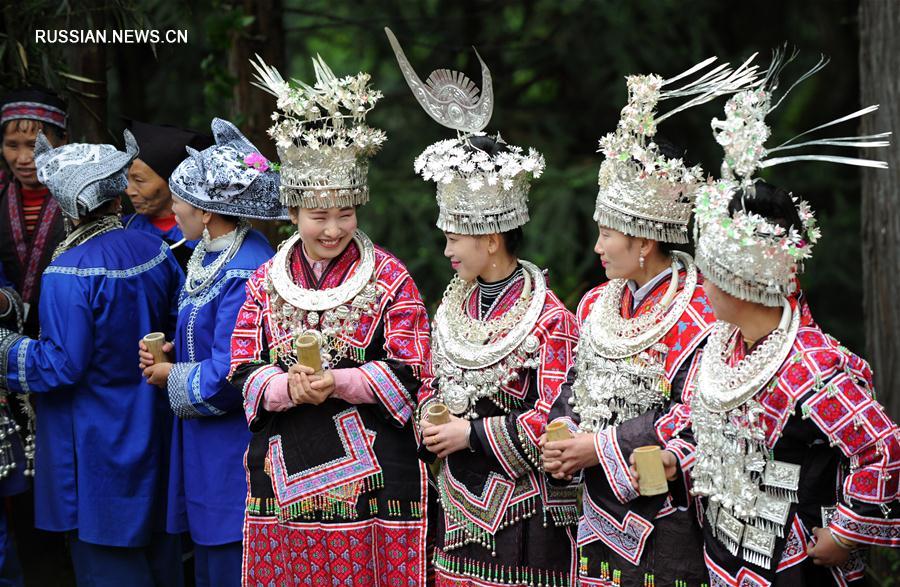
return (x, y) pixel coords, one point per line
(321, 135)
(477, 192)
(743, 253)
(642, 192)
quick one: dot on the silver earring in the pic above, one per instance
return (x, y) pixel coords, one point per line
(207, 238)
(641, 261)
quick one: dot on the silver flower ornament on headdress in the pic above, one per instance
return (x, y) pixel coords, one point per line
(642, 192)
(321, 134)
(743, 253)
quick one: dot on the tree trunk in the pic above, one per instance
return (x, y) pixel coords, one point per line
(879, 64)
(265, 37)
(88, 100)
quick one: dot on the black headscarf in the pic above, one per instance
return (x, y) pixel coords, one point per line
(163, 146)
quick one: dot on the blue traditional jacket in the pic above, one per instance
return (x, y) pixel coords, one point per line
(173, 237)
(103, 432)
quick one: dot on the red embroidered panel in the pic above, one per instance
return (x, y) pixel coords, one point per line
(374, 553)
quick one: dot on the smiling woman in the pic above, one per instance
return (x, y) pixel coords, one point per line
(30, 222)
(325, 232)
(336, 494)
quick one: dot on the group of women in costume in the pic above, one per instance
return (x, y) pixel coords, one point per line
(781, 465)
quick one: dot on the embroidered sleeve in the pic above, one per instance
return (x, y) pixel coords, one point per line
(183, 386)
(845, 410)
(614, 446)
(881, 528)
(250, 369)
(60, 358)
(396, 381)
(513, 439)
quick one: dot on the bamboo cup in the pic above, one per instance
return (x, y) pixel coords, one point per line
(652, 474)
(155, 342)
(308, 352)
(438, 414)
(558, 431)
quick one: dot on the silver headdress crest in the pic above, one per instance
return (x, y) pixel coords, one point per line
(449, 97)
(477, 192)
(642, 192)
(321, 134)
(743, 253)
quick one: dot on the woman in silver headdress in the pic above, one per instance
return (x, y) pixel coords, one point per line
(794, 460)
(639, 334)
(502, 344)
(330, 348)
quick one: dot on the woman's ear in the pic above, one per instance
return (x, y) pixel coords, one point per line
(493, 243)
(294, 213)
(206, 217)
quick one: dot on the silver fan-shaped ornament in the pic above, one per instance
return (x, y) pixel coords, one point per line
(449, 97)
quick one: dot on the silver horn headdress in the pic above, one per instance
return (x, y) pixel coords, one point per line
(477, 192)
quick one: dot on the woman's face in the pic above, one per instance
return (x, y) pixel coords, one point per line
(149, 193)
(188, 218)
(18, 150)
(619, 253)
(325, 232)
(725, 306)
(469, 255)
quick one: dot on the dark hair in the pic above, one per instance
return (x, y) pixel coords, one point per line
(104, 209)
(666, 248)
(230, 218)
(513, 239)
(485, 143)
(670, 150)
(52, 131)
(771, 202)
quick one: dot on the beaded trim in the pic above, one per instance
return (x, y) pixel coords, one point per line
(111, 273)
(339, 481)
(462, 570)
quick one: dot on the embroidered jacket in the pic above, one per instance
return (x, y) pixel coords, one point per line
(208, 487)
(336, 494)
(500, 521)
(819, 412)
(15, 411)
(23, 259)
(103, 432)
(614, 516)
